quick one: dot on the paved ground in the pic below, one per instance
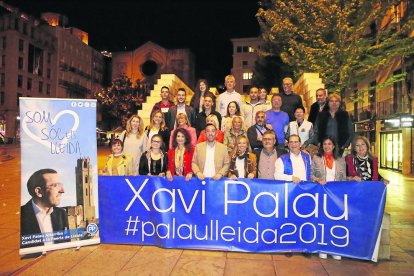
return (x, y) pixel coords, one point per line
(147, 260)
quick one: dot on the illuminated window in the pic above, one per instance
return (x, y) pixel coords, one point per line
(251, 49)
(247, 76)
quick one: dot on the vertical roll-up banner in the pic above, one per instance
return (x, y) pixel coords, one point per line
(59, 179)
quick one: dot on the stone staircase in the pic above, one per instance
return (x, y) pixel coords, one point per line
(170, 80)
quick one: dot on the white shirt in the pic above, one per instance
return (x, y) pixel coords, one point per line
(298, 168)
(44, 220)
(240, 167)
(209, 168)
(330, 173)
(225, 98)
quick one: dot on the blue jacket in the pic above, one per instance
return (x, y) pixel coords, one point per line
(287, 163)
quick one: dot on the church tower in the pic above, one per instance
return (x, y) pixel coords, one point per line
(84, 189)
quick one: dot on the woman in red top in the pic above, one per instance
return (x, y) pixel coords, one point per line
(211, 119)
(180, 155)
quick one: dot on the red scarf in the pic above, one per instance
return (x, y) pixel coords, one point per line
(329, 159)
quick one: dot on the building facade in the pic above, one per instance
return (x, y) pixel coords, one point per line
(40, 57)
(244, 58)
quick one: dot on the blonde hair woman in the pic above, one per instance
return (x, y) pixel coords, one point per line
(211, 119)
(134, 139)
(158, 126)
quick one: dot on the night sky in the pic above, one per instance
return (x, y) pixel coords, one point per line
(205, 27)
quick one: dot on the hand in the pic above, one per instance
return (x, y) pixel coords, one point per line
(269, 126)
(356, 178)
(217, 176)
(386, 181)
(233, 176)
(250, 176)
(188, 176)
(321, 181)
(161, 174)
(295, 179)
(200, 176)
(169, 176)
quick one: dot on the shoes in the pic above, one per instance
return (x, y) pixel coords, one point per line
(323, 255)
(336, 257)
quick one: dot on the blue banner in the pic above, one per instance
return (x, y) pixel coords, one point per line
(342, 218)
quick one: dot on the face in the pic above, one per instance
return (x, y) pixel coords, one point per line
(237, 123)
(211, 132)
(263, 94)
(230, 83)
(321, 96)
(181, 96)
(328, 146)
(232, 108)
(156, 142)
(334, 104)
(268, 141)
(208, 102)
(210, 121)
(242, 145)
(294, 144)
(135, 123)
(361, 148)
(254, 93)
(203, 87)
(53, 190)
(260, 118)
(165, 93)
(180, 138)
(299, 114)
(116, 148)
(276, 102)
(287, 86)
(157, 119)
(181, 121)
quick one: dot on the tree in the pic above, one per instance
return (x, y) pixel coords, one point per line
(119, 101)
(343, 40)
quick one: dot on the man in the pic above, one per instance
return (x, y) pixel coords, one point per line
(200, 122)
(256, 131)
(227, 96)
(320, 105)
(293, 166)
(249, 108)
(267, 155)
(41, 214)
(210, 158)
(181, 107)
(165, 103)
(290, 99)
(278, 119)
(336, 123)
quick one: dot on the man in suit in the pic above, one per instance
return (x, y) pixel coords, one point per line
(41, 214)
(181, 107)
(320, 105)
(210, 152)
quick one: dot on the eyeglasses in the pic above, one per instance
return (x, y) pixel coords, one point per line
(55, 185)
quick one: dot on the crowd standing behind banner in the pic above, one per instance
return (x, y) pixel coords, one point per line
(262, 153)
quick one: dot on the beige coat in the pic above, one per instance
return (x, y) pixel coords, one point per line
(221, 159)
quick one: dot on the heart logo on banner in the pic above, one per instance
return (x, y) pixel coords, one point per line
(53, 121)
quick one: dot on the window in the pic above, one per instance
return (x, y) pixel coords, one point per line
(48, 73)
(3, 60)
(247, 76)
(29, 84)
(245, 63)
(16, 24)
(4, 42)
(18, 96)
(239, 49)
(49, 58)
(251, 50)
(40, 86)
(20, 63)
(25, 28)
(1, 98)
(19, 81)
(245, 49)
(3, 79)
(47, 89)
(21, 45)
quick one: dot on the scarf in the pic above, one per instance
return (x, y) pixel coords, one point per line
(329, 159)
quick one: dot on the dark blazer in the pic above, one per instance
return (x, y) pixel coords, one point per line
(200, 121)
(143, 164)
(314, 111)
(172, 114)
(29, 225)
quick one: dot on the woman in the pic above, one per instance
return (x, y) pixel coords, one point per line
(263, 98)
(154, 161)
(233, 109)
(361, 165)
(134, 140)
(326, 166)
(158, 126)
(242, 163)
(211, 119)
(197, 99)
(230, 136)
(180, 155)
(118, 163)
(182, 122)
